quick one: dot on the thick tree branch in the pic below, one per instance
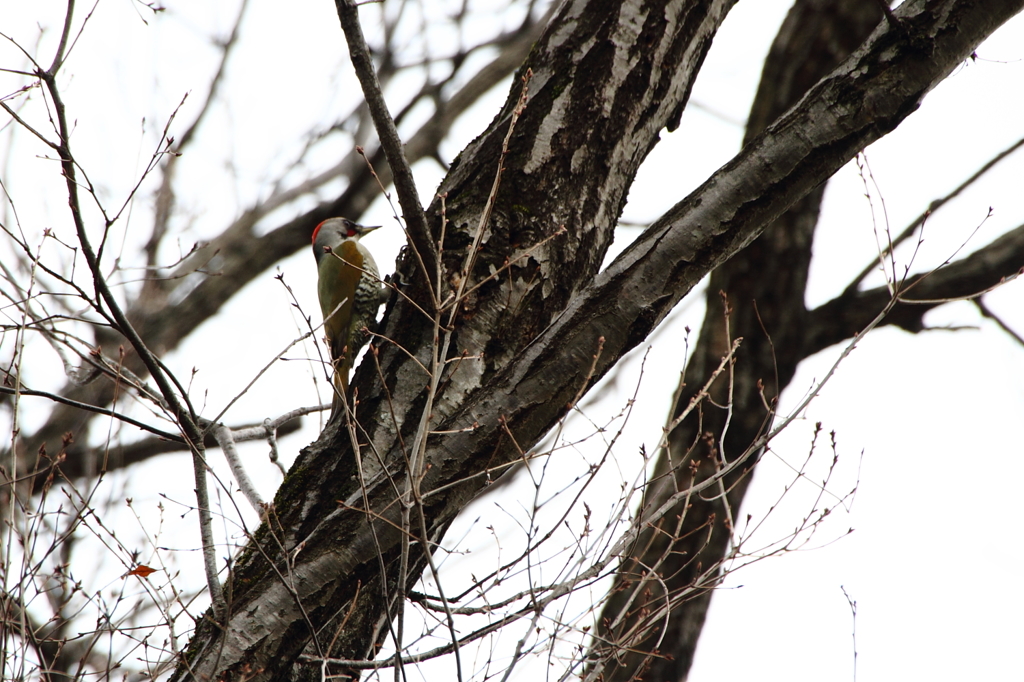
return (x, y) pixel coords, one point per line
(560, 178)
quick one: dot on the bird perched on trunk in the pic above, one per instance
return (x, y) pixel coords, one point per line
(349, 290)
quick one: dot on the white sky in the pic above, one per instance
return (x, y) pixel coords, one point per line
(930, 425)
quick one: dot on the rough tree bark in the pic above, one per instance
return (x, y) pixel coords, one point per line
(331, 549)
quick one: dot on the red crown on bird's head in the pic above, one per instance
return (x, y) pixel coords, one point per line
(348, 228)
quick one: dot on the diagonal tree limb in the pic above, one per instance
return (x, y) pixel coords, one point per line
(764, 287)
(542, 194)
(405, 183)
(968, 278)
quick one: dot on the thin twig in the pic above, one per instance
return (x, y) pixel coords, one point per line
(853, 613)
(987, 312)
(934, 206)
(177, 438)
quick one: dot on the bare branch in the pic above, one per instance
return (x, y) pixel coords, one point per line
(405, 184)
(968, 278)
(932, 208)
(227, 445)
(987, 312)
(166, 435)
(185, 419)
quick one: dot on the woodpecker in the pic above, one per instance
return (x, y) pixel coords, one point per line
(349, 290)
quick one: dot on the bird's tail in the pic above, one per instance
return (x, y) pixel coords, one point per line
(341, 370)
